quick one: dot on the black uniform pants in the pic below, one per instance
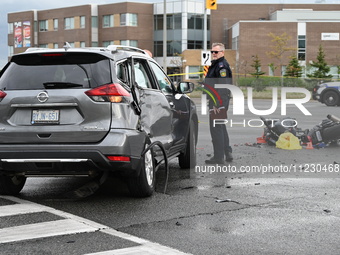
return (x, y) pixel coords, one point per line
(220, 140)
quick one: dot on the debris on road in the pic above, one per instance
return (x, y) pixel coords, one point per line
(227, 200)
(285, 134)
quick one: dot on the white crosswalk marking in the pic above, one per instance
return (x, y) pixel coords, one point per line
(44, 229)
(71, 224)
(9, 210)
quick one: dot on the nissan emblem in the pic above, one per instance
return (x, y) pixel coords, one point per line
(42, 97)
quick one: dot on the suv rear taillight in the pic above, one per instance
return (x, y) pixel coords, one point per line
(2, 95)
(119, 158)
(113, 93)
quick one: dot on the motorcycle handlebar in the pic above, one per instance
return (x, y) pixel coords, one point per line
(333, 118)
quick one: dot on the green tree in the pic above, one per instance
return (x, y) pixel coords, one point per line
(279, 47)
(293, 69)
(257, 67)
(321, 68)
(257, 83)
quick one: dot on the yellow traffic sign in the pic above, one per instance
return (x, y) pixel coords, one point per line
(211, 4)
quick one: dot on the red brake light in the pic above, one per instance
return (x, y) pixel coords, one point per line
(2, 94)
(119, 158)
(108, 93)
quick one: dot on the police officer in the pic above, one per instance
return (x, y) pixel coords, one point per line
(218, 73)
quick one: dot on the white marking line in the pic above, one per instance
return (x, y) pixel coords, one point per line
(43, 229)
(72, 225)
(9, 210)
(146, 249)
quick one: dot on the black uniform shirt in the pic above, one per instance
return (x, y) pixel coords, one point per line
(218, 73)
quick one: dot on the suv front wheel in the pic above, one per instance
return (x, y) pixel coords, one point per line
(144, 184)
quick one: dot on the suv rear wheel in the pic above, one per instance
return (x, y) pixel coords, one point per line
(11, 185)
(144, 184)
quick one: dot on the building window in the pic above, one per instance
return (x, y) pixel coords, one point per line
(128, 19)
(10, 28)
(158, 22)
(69, 23)
(173, 48)
(107, 43)
(270, 71)
(178, 21)
(43, 25)
(335, 72)
(301, 47)
(194, 72)
(196, 21)
(55, 24)
(195, 44)
(43, 45)
(82, 21)
(10, 50)
(235, 43)
(174, 21)
(94, 21)
(132, 43)
(82, 45)
(107, 21)
(55, 45)
(158, 48)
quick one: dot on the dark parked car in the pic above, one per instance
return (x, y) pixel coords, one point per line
(92, 112)
(327, 93)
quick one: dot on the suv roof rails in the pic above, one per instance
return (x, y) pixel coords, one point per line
(111, 48)
(66, 47)
(35, 49)
(124, 47)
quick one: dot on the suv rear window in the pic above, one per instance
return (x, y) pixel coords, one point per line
(73, 70)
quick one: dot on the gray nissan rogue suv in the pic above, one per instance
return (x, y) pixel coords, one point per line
(92, 111)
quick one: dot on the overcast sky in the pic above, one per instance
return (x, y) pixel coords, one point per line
(7, 6)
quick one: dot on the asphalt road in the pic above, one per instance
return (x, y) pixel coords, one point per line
(231, 210)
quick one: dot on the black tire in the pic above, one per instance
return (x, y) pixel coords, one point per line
(11, 185)
(188, 158)
(331, 98)
(144, 184)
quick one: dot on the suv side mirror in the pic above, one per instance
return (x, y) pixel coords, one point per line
(185, 87)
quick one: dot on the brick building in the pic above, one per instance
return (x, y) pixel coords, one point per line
(82, 26)
(243, 28)
(307, 26)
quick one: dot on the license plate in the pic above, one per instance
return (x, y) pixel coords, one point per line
(45, 116)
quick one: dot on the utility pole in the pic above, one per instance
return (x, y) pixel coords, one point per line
(164, 38)
(205, 29)
(211, 5)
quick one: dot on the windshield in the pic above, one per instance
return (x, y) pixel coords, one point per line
(41, 71)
